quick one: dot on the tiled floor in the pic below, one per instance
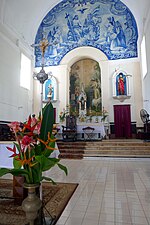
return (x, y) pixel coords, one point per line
(111, 191)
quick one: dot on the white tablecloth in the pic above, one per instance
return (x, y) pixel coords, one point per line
(56, 152)
(98, 128)
(7, 162)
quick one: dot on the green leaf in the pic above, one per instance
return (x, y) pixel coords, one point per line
(16, 163)
(4, 171)
(48, 179)
(64, 168)
(14, 172)
(17, 172)
(46, 163)
(47, 122)
(36, 174)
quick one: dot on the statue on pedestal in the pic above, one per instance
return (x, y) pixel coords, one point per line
(82, 104)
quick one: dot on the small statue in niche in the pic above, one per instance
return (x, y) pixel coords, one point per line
(121, 84)
(51, 92)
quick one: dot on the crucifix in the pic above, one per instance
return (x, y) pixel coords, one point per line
(42, 45)
(41, 76)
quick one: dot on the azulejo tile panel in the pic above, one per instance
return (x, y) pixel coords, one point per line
(107, 25)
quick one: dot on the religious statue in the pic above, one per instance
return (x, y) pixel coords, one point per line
(121, 84)
(96, 101)
(82, 104)
(51, 92)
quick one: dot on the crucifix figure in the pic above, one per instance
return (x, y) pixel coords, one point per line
(42, 45)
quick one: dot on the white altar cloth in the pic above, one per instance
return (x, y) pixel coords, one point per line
(98, 128)
(7, 162)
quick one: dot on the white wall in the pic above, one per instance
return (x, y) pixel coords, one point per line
(15, 102)
(146, 80)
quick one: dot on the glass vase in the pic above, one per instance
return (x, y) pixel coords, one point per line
(32, 204)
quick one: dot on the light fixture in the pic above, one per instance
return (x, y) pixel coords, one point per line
(42, 76)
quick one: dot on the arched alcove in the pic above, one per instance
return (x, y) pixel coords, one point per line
(84, 53)
(121, 82)
(50, 89)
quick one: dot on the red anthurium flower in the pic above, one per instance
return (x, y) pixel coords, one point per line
(13, 150)
(29, 126)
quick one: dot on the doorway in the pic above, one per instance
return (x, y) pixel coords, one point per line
(122, 121)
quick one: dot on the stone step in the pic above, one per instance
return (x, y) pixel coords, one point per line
(112, 148)
(117, 155)
(70, 156)
(118, 144)
(73, 151)
(117, 152)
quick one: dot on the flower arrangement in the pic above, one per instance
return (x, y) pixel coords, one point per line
(33, 147)
(104, 114)
(63, 114)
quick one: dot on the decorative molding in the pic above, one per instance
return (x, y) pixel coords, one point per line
(13, 39)
(121, 98)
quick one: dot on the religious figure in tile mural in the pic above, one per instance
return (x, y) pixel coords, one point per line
(107, 25)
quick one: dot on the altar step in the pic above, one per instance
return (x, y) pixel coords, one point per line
(118, 148)
(71, 150)
(109, 148)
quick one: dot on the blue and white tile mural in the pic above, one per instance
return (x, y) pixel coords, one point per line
(107, 25)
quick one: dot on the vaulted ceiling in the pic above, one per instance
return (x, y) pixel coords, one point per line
(23, 17)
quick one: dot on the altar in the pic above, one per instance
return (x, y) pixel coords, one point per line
(86, 131)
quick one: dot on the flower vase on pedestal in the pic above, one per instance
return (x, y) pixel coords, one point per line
(32, 204)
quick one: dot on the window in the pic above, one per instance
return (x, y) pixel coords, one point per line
(25, 73)
(143, 57)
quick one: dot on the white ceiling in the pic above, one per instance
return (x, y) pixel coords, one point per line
(23, 17)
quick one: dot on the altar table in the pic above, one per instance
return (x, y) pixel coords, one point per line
(98, 132)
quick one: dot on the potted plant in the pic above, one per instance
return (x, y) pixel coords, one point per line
(31, 155)
(32, 148)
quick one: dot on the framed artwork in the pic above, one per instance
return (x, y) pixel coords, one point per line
(85, 77)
